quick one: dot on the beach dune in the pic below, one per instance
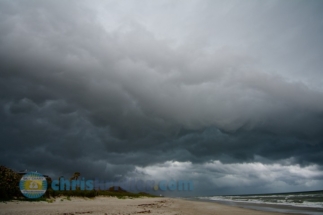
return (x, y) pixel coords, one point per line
(114, 206)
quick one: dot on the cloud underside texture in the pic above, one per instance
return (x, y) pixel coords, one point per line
(77, 95)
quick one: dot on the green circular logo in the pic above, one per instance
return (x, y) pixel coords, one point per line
(33, 185)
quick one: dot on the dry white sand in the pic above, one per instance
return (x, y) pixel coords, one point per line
(114, 206)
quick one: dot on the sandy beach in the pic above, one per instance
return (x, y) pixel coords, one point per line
(114, 206)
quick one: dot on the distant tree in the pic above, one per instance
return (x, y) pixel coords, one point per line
(75, 176)
(59, 182)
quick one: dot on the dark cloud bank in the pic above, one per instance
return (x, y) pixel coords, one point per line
(225, 93)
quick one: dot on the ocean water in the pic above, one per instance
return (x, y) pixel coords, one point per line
(300, 202)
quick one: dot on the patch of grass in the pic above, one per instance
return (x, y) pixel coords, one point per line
(50, 200)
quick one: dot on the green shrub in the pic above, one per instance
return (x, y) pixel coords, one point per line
(9, 184)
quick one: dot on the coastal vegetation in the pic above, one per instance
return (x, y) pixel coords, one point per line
(9, 189)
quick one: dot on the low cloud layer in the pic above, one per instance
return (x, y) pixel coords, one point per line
(216, 177)
(117, 89)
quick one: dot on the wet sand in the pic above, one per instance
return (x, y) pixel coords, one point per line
(270, 207)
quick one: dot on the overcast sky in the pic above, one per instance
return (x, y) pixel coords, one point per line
(226, 93)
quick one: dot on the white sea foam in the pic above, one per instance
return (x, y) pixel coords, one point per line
(299, 200)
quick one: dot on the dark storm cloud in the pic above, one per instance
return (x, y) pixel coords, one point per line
(80, 91)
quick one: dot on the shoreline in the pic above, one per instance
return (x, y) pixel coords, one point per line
(299, 210)
(115, 206)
